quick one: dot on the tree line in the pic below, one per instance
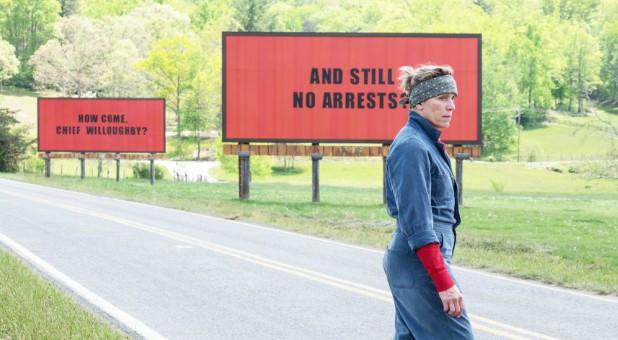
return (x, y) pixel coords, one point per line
(537, 54)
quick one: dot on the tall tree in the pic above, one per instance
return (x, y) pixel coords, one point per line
(74, 61)
(608, 90)
(161, 21)
(251, 14)
(583, 65)
(173, 64)
(27, 24)
(9, 65)
(68, 7)
(119, 78)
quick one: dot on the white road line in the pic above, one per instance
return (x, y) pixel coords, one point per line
(99, 302)
(332, 281)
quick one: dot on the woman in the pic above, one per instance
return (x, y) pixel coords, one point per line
(421, 195)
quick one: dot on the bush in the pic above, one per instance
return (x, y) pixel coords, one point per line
(260, 165)
(498, 186)
(142, 171)
(181, 149)
(14, 142)
(33, 163)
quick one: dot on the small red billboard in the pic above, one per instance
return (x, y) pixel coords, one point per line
(101, 125)
(287, 87)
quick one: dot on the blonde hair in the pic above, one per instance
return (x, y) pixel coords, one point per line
(409, 77)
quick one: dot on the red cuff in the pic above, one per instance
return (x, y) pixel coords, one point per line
(433, 262)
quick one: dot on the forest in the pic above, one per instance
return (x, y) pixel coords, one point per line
(537, 55)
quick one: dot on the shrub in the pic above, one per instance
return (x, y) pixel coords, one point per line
(14, 141)
(260, 165)
(498, 186)
(142, 170)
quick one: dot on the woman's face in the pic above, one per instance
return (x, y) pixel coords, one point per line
(438, 110)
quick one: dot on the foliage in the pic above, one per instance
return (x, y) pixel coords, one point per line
(537, 54)
(498, 128)
(180, 149)
(605, 168)
(32, 163)
(142, 171)
(261, 166)
(27, 24)
(174, 64)
(14, 142)
(9, 65)
(101, 8)
(609, 50)
(74, 61)
(68, 7)
(251, 14)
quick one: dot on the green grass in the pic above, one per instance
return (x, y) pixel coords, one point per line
(565, 239)
(568, 137)
(31, 308)
(544, 225)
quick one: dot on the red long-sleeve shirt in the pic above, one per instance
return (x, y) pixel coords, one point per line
(433, 262)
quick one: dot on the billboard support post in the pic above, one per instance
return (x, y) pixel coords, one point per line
(459, 176)
(117, 166)
(315, 176)
(82, 163)
(244, 174)
(152, 169)
(47, 158)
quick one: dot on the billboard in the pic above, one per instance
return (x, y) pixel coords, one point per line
(336, 88)
(101, 125)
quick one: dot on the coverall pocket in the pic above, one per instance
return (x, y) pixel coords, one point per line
(447, 242)
(398, 269)
(441, 188)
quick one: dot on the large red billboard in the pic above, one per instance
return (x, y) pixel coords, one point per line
(286, 87)
(101, 125)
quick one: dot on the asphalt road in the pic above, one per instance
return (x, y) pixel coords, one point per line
(164, 273)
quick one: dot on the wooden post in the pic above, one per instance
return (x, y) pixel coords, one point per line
(152, 169)
(117, 166)
(315, 176)
(244, 174)
(47, 158)
(82, 162)
(459, 176)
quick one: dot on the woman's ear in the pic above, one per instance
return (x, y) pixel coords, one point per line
(419, 107)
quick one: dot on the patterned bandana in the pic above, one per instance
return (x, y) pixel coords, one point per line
(430, 88)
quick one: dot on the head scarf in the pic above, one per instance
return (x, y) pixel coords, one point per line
(430, 88)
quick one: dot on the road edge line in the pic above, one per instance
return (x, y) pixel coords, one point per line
(119, 315)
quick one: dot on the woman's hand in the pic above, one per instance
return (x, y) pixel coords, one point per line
(452, 301)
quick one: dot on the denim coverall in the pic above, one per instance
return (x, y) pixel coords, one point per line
(420, 194)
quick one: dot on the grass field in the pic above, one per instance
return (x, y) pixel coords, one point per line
(568, 137)
(31, 308)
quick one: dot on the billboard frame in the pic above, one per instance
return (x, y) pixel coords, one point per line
(479, 137)
(164, 117)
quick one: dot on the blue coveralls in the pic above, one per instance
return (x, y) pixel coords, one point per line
(420, 193)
